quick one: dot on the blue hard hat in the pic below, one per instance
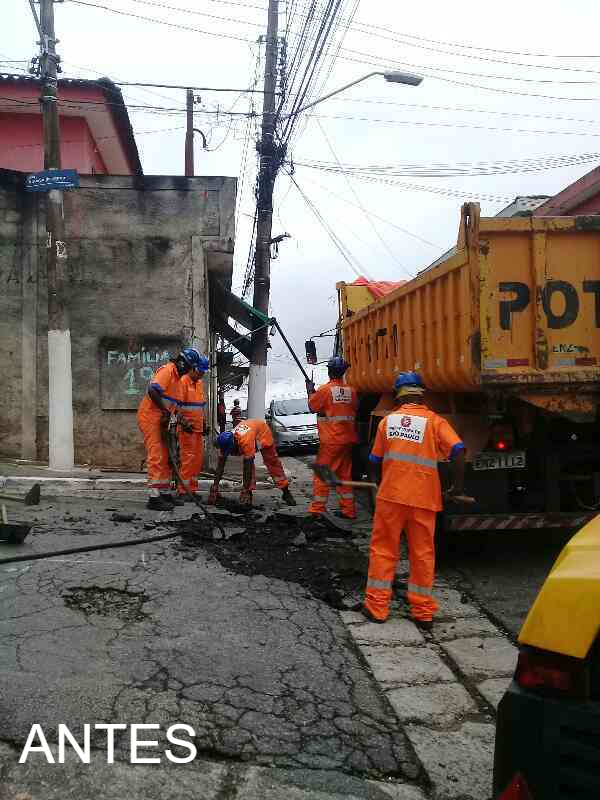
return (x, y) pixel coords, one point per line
(194, 360)
(225, 442)
(412, 379)
(337, 365)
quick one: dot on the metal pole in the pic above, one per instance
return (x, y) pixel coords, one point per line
(257, 381)
(60, 384)
(189, 134)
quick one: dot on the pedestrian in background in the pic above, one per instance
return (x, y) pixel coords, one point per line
(236, 413)
(408, 445)
(192, 403)
(221, 414)
(335, 404)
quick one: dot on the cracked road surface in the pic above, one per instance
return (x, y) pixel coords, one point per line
(262, 670)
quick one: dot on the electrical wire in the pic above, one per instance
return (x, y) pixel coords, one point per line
(345, 173)
(351, 260)
(514, 166)
(459, 125)
(174, 25)
(180, 10)
(376, 216)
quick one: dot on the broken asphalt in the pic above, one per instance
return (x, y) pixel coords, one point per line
(240, 634)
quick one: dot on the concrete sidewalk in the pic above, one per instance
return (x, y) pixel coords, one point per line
(17, 477)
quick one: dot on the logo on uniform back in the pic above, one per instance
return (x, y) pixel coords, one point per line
(241, 429)
(406, 427)
(341, 394)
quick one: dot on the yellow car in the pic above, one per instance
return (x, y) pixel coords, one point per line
(548, 727)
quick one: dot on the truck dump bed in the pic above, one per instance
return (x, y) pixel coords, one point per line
(515, 308)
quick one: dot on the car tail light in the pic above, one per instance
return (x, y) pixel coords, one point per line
(517, 789)
(539, 670)
(502, 438)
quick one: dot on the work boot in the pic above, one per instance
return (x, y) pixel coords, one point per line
(160, 503)
(369, 616)
(288, 497)
(178, 499)
(425, 625)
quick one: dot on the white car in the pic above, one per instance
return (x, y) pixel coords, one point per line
(293, 424)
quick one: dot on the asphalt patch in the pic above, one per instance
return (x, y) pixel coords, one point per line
(297, 550)
(126, 606)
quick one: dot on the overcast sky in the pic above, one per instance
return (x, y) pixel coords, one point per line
(502, 98)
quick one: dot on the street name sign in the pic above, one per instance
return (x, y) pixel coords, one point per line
(52, 179)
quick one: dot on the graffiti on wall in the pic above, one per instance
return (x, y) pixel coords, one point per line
(126, 368)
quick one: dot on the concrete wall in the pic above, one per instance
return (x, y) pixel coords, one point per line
(140, 251)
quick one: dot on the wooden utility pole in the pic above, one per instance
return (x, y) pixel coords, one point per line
(257, 382)
(189, 133)
(60, 385)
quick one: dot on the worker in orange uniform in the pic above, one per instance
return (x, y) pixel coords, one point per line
(408, 445)
(335, 404)
(244, 440)
(157, 406)
(191, 447)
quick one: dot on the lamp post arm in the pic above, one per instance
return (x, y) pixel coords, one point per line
(331, 94)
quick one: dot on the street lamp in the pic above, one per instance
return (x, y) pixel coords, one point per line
(257, 381)
(407, 78)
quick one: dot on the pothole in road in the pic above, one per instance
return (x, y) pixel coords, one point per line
(126, 606)
(332, 569)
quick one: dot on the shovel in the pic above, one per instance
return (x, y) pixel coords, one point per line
(12, 534)
(328, 476)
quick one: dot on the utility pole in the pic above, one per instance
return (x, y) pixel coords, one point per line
(60, 383)
(189, 134)
(269, 163)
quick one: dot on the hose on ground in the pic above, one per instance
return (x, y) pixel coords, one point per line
(89, 548)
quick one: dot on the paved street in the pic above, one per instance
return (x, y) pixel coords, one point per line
(242, 638)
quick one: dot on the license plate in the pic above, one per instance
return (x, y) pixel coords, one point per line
(514, 460)
(306, 437)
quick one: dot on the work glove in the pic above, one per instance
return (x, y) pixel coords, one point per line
(310, 386)
(245, 497)
(213, 495)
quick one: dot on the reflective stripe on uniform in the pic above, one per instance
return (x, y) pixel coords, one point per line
(411, 459)
(374, 583)
(318, 498)
(336, 419)
(424, 591)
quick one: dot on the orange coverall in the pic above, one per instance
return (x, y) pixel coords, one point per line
(335, 405)
(409, 443)
(252, 435)
(166, 382)
(191, 445)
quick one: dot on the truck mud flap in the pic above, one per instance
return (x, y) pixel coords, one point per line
(509, 522)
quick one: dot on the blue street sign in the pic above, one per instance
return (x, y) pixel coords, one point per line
(52, 179)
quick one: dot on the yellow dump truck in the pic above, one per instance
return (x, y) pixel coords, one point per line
(505, 331)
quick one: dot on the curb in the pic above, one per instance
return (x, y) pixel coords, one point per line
(20, 485)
